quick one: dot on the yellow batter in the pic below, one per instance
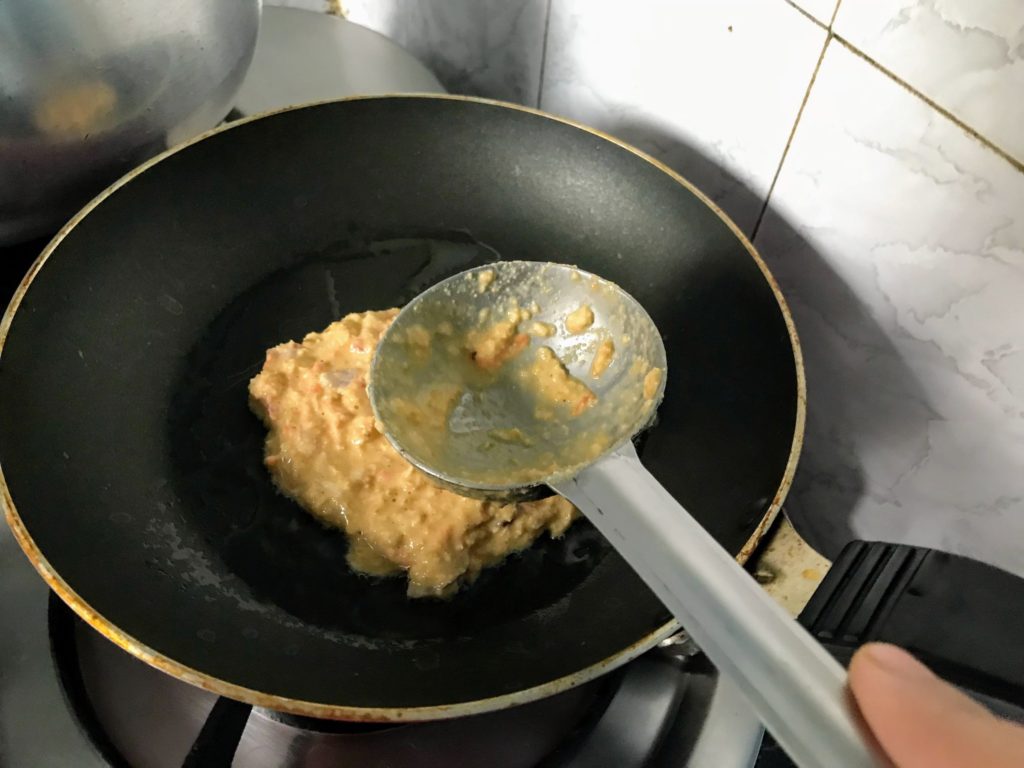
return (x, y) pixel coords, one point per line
(552, 384)
(75, 111)
(651, 383)
(579, 320)
(602, 358)
(491, 347)
(325, 451)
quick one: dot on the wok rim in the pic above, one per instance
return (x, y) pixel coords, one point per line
(292, 706)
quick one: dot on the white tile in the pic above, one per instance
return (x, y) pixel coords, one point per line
(822, 10)
(966, 55)
(487, 48)
(710, 88)
(899, 242)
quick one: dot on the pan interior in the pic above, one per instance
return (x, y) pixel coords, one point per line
(134, 463)
(216, 445)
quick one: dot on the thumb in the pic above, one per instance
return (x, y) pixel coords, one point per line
(920, 721)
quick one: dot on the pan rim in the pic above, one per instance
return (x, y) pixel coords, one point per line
(388, 714)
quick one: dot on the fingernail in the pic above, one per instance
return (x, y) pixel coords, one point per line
(896, 661)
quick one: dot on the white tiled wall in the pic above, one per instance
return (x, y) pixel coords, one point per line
(896, 228)
(966, 55)
(821, 10)
(703, 86)
(899, 241)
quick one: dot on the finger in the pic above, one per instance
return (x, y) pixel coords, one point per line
(920, 721)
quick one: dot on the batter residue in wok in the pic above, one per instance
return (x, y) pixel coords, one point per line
(325, 451)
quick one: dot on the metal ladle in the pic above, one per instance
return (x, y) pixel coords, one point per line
(464, 389)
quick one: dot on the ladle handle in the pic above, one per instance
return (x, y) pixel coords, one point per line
(792, 683)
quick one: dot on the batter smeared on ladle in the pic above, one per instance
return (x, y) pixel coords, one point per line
(542, 386)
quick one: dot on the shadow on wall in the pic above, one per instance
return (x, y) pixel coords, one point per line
(712, 179)
(838, 337)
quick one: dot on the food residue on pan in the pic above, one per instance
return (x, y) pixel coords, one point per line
(550, 382)
(579, 319)
(76, 110)
(511, 435)
(324, 450)
(602, 358)
(651, 383)
(545, 376)
(542, 330)
(491, 347)
(484, 280)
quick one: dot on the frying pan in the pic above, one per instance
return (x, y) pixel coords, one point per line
(130, 465)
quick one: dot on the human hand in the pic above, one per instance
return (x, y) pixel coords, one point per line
(920, 721)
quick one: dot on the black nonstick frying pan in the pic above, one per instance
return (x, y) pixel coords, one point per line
(131, 465)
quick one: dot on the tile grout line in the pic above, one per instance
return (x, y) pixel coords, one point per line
(835, 13)
(800, 111)
(792, 4)
(789, 139)
(831, 35)
(543, 52)
(972, 132)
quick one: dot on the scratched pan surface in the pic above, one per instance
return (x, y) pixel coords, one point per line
(132, 465)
